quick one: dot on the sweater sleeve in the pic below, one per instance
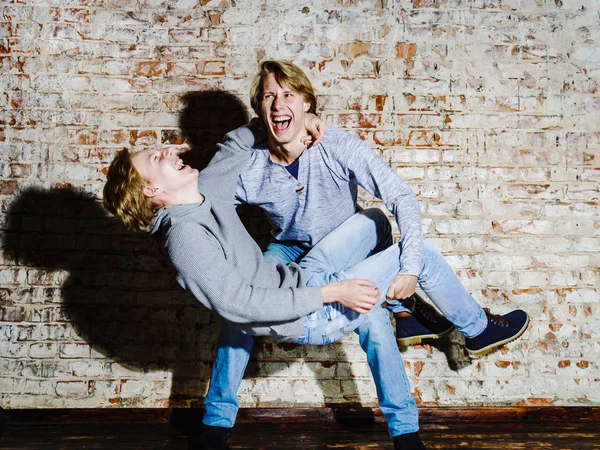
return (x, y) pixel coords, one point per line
(365, 167)
(202, 269)
(240, 140)
(231, 158)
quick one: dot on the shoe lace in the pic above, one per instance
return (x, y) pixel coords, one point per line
(496, 318)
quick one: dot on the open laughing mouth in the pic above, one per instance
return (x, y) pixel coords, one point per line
(281, 123)
(179, 165)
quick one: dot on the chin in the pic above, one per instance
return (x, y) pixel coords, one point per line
(284, 138)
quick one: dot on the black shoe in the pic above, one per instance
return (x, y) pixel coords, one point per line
(3, 422)
(212, 438)
(409, 441)
(499, 331)
(424, 323)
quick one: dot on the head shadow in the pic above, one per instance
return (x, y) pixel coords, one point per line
(86, 270)
(206, 117)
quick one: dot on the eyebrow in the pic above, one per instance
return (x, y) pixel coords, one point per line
(285, 91)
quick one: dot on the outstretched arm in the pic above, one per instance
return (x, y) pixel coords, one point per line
(248, 136)
(234, 154)
(219, 178)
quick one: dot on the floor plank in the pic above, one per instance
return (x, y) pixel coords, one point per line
(309, 436)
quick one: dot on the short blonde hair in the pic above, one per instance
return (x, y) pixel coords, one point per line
(124, 193)
(286, 74)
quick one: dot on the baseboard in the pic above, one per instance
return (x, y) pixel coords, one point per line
(325, 414)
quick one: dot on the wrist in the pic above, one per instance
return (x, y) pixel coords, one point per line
(328, 293)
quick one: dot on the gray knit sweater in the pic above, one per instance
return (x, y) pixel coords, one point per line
(220, 264)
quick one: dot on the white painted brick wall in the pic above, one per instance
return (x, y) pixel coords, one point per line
(489, 109)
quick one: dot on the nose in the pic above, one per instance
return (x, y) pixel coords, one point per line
(276, 102)
(166, 152)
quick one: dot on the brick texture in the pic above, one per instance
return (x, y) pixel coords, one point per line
(488, 108)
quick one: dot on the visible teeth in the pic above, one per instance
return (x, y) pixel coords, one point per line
(279, 119)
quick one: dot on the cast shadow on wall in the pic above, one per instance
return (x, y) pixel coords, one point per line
(117, 295)
(87, 270)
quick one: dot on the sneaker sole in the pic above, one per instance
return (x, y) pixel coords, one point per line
(414, 340)
(490, 348)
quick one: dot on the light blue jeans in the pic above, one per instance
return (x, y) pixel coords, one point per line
(324, 264)
(341, 255)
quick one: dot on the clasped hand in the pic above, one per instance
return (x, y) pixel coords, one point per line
(403, 286)
(315, 127)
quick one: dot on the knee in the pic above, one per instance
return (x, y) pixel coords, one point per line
(430, 253)
(431, 258)
(427, 247)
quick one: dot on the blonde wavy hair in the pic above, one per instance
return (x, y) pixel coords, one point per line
(286, 74)
(124, 193)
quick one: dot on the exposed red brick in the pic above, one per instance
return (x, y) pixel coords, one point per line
(405, 50)
(20, 170)
(355, 49)
(214, 68)
(369, 120)
(8, 187)
(418, 367)
(150, 68)
(535, 402)
(142, 136)
(380, 102)
(387, 138)
(215, 17)
(84, 137)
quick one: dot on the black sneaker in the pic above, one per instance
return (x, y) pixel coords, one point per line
(3, 422)
(424, 323)
(409, 441)
(500, 331)
(212, 438)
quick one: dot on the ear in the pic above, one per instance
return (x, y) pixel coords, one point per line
(151, 192)
(306, 106)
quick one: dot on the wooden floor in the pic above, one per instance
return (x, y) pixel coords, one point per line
(568, 434)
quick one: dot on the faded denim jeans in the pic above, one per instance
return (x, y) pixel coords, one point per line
(360, 248)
